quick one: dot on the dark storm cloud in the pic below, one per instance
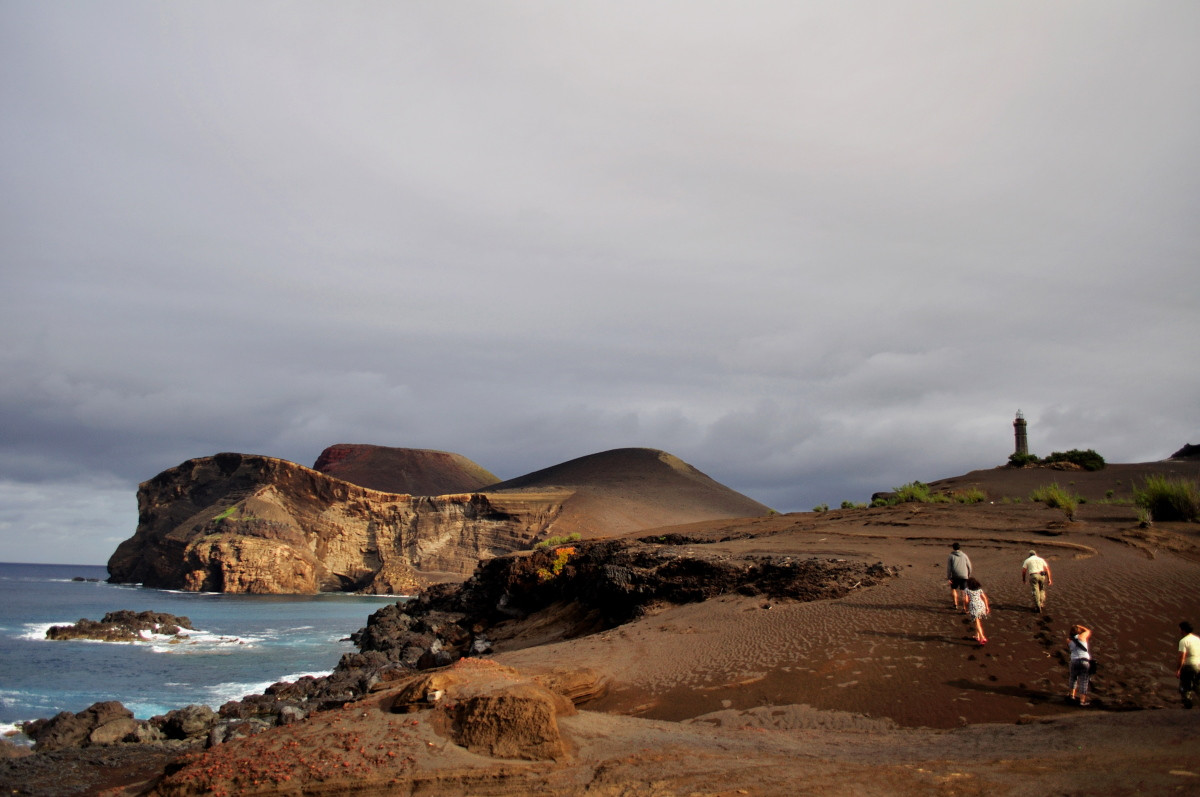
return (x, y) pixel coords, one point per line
(815, 250)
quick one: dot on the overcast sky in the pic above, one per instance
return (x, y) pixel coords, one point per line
(814, 249)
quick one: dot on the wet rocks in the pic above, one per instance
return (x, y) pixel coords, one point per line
(189, 722)
(103, 723)
(123, 626)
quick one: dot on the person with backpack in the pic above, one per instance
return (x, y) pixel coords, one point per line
(1081, 663)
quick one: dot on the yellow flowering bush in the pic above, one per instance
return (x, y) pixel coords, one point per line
(561, 557)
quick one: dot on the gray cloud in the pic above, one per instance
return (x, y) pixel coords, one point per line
(815, 250)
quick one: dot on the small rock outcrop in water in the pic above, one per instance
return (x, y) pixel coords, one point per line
(122, 626)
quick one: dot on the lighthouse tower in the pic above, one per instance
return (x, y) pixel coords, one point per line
(1019, 431)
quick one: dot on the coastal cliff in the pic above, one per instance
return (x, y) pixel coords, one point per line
(257, 524)
(249, 523)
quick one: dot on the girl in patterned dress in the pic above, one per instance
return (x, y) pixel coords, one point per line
(977, 607)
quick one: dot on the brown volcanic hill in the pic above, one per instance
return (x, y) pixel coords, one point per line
(408, 471)
(629, 489)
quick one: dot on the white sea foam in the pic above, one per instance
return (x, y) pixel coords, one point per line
(224, 692)
(11, 732)
(198, 641)
(37, 630)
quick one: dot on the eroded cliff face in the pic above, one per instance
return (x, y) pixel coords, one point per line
(246, 523)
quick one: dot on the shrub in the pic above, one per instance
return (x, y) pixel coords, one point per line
(1088, 460)
(1016, 460)
(913, 492)
(1055, 497)
(1169, 499)
(552, 541)
(971, 495)
(821, 508)
(561, 557)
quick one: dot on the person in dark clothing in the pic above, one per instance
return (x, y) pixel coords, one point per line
(958, 570)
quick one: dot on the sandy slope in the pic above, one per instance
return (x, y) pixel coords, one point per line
(629, 489)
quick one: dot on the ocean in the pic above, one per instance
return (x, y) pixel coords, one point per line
(242, 644)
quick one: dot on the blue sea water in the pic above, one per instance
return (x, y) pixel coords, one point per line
(242, 643)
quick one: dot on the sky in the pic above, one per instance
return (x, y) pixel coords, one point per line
(816, 250)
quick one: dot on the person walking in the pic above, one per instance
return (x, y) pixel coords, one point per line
(1081, 663)
(1037, 571)
(958, 570)
(1188, 669)
(977, 607)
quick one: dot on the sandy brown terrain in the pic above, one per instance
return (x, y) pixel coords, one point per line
(879, 692)
(403, 470)
(628, 490)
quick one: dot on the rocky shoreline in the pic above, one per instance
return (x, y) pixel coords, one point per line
(605, 584)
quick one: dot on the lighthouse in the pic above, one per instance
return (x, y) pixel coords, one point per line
(1019, 433)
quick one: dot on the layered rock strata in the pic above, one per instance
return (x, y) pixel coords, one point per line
(256, 524)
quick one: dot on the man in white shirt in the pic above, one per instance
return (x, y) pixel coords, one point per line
(1037, 571)
(1188, 670)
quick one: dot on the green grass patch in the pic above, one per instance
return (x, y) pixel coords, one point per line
(970, 495)
(1168, 499)
(913, 493)
(550, 542)
(1055, 497)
